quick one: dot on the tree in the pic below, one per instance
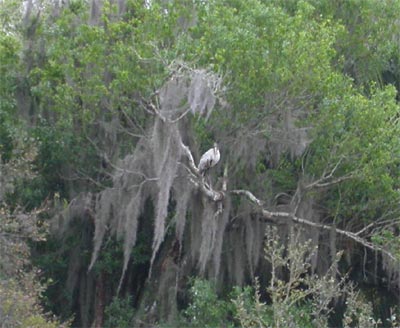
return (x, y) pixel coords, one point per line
(147, 87)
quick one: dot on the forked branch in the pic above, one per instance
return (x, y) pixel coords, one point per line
(269, 215)
(197, 179)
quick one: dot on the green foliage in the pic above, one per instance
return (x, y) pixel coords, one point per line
(205, 308)
(291, 299)
(358, 312)
(285, 176)
(55, 154)
(141, 253)
(203, 134)
(20, 307)
(251, 312)
(54, 264)
(291, 53)
(9, 65)
(363, 46)
(20, 288)
(111, 255)
(110, 259)
(303, 299)
(91, 70)
(358, 134)
(6, 140)
(58, 150)
(119, 313)
(262, 49)
(16, 166)
(389, 240)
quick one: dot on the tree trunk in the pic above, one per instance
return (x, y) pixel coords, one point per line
(99, 302)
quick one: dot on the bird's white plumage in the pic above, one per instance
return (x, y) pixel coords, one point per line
(209, 159)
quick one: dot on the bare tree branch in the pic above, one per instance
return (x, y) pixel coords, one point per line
(378, 224)
(320, 184)
(189, 155)
(273, 215)
(327, 178)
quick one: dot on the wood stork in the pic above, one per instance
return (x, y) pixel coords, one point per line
(209, 159)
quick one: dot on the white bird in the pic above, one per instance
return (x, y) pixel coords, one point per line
(209, 159)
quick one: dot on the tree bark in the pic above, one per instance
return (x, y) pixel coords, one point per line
(99, 303)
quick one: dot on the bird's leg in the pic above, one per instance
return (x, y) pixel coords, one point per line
(209, 182)
(206, 182)
(205, 178)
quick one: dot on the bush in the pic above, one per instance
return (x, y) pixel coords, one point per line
(303, 299)
(205, 309)
(119, 313)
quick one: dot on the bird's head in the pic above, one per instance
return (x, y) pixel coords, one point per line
(215, 145)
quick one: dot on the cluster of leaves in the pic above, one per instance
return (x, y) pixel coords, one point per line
(388, 239)
(357, 133)
(20, 305)
(119, 313)
(205, 308)
(9, 68)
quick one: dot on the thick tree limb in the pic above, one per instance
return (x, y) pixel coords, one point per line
(291, 216)
(189, 155)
